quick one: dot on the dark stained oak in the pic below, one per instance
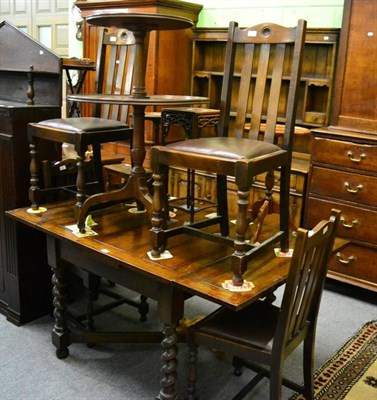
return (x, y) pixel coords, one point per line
(343, 170)
(30, 90)
(119, 253)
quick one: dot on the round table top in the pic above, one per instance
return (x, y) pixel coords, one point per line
(140, 21)
(152, 100)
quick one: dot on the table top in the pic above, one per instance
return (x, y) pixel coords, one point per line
(198, 267)
(79, 63)
(140, 21)
(151, 100)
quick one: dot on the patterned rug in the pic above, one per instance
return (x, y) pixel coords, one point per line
(351, 374)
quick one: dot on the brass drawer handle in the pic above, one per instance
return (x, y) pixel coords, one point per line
(356, 160)
(343, 260)
(358, 188)
(346, 225)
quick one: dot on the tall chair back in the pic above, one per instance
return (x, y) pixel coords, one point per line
(114, 71)
(303, 291)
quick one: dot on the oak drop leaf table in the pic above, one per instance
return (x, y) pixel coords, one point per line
(119, 253)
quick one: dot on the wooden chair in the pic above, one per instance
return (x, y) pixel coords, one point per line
(262, 90)
(266, 334)
(114, 71)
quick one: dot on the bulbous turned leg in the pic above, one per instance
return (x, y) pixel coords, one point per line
(157, 237)
(80, 186)
(34, 190)
(143, 308)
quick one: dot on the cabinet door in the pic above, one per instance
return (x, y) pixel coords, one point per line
(44, 20)
(355, 99)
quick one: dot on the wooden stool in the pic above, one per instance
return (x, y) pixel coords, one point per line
(191, 119)
(155, 117)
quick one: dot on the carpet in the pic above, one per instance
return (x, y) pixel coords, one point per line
(351, 374)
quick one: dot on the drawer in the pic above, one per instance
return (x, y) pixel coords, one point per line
(356, 223)
(355, 261)
(315, 118)
(345, 154)
(344, 186)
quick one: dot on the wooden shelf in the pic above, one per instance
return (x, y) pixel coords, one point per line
(316, 81)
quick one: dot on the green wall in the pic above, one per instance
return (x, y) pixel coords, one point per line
(318, 13)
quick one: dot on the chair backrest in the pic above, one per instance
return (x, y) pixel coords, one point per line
(303, 291)
(264, 86)
(114, 71)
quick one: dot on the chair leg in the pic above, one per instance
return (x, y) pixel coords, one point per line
(284, 207)
(192, 378)
(239, 261)
(190, 194)
(276, 381)
(98, 166)
(237, 365)
(308, 366)
(222, 204)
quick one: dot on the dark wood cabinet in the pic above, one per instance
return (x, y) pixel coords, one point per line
(25, 277)
(343, 171)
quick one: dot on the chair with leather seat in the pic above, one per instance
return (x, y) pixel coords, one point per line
(263, 335)
(263, 90)
(114, 71)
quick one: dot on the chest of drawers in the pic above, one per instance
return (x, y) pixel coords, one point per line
(343, 175)
(343, 168)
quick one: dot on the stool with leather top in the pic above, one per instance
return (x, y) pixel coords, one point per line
(114, 70)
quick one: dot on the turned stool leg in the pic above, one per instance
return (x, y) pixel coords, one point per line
(34, 190)
(80, 184)
(156, 232)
